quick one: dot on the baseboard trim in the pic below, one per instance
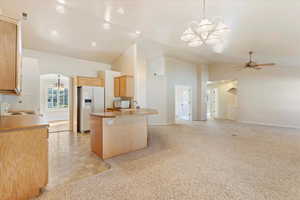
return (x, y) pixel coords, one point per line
(269, 124)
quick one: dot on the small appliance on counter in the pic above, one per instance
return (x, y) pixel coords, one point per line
(125, 104)
(122, 104)
(117, 103)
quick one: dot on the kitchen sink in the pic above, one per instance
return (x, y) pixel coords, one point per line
(20, 113)
(17, 113)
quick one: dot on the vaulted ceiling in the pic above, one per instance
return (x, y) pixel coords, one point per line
(270, 28)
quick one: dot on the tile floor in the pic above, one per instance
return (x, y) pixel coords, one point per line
(59, 126)
(70, 158)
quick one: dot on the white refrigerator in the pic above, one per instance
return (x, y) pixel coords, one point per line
(90, 100)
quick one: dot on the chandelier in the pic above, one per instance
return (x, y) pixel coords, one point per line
(59, 85)
(207, 32)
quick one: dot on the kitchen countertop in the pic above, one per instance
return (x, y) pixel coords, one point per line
(10, 123)
(126, 112)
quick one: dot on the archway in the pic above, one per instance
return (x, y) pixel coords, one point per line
(55, 101)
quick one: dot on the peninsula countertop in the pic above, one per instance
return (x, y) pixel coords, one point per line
(15, 122)
(126, 112)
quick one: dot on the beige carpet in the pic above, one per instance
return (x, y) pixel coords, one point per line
(205, 160)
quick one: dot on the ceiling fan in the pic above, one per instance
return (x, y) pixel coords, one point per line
(253, 65)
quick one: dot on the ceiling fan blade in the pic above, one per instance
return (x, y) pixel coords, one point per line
(266, 64)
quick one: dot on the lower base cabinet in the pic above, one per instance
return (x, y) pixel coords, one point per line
(23, 163)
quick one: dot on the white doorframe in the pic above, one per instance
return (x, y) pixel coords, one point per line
(212, 105)
(183, 102)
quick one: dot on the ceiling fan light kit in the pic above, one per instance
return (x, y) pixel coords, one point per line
(208, 32)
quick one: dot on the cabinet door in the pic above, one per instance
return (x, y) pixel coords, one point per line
(126, 86)
(19, 74)
(117, 87)
(122, 86)
(8, 55)
(129, 86)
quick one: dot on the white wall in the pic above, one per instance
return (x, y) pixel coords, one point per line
(202, 78)
(56, 64)
(126, 62)
(140, 77)
(155, 79)
(109, 87)
(161, 88)
(180, 73)
(269, 96)
(157, 92)
(133, 62)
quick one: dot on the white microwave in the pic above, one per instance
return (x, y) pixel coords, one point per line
(125, 104)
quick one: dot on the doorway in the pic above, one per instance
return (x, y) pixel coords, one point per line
(212, 106)
(55, 101)
(222, 100)
(183, 102)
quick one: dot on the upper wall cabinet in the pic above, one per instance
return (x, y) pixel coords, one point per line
(89, 81)
(10, 56)
(124, 86)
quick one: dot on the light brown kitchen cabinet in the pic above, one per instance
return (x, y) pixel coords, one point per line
(117, 87)
(10, 56)
(124, 86)
(24, 156)
(89, 81)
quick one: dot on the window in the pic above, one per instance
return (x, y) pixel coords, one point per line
(58, 98)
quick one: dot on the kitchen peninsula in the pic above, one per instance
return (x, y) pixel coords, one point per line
(117, 132)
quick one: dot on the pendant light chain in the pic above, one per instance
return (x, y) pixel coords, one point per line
(203, 9)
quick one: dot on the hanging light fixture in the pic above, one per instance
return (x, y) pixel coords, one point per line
(204, 32)
(59, 85)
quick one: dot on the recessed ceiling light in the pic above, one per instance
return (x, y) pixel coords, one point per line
(94, 44)
(54, 33)
(121, 11)
(106, 26)
(60, 9)
(135, 35)
(61, 1)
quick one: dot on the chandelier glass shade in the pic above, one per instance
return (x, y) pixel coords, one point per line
(204, 32)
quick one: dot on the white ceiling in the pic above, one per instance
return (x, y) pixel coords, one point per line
(271, 28)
